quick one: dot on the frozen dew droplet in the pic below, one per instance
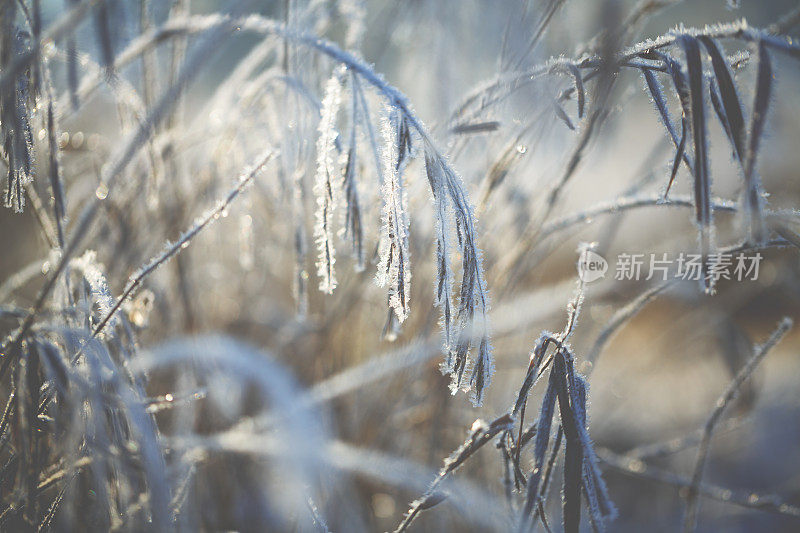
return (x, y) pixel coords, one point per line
(48, 48)
(101, 192)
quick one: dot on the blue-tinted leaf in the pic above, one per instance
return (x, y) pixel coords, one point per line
(702, 193)
(729, 97)
(760, 108)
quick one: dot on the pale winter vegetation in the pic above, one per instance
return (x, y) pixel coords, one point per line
(213, 214)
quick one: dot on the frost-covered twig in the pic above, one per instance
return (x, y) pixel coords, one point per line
(394, 267)
(326, 186)
(692, 502)
(661, 449)
(622, 316)
(172, 249)
(481, 433)
(751, 500)
(626, 203)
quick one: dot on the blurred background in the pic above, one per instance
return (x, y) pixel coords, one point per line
(252, 276)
